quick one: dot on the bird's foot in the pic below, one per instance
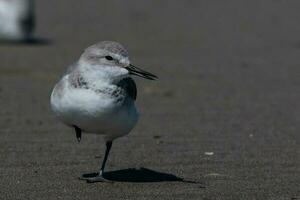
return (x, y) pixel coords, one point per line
(93, 178)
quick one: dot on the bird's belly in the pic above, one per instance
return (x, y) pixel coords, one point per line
(95, 113)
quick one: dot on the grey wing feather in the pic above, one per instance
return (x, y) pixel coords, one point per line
(129, 86)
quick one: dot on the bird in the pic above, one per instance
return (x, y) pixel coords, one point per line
(97, 95)
(17, 20)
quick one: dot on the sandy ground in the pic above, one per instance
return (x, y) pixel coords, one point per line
(222, 122)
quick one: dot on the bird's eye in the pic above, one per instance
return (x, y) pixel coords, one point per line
(108, 58)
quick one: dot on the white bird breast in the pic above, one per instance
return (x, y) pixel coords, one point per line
(94, 112)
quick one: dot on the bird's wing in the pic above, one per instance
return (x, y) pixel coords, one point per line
(129, 86)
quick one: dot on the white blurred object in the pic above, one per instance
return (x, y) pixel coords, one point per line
(16, 19)
(209, 153)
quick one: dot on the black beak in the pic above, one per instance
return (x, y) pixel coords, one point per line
(139, 72)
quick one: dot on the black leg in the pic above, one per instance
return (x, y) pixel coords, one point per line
(108, 147)
(99, 177)
(78, 133)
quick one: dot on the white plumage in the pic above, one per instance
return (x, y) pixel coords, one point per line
(96, 112)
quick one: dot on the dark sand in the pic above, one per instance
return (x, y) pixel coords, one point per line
(229, 84)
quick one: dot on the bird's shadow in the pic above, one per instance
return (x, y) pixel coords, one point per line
(142, 175)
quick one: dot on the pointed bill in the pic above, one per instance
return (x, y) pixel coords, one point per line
(141, 73)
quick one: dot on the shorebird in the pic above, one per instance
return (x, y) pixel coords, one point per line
(97, 95)
(16, 19)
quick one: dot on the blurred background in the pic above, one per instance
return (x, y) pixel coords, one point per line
(224, 112)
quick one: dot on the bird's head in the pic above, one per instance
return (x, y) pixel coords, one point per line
(112, 56)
